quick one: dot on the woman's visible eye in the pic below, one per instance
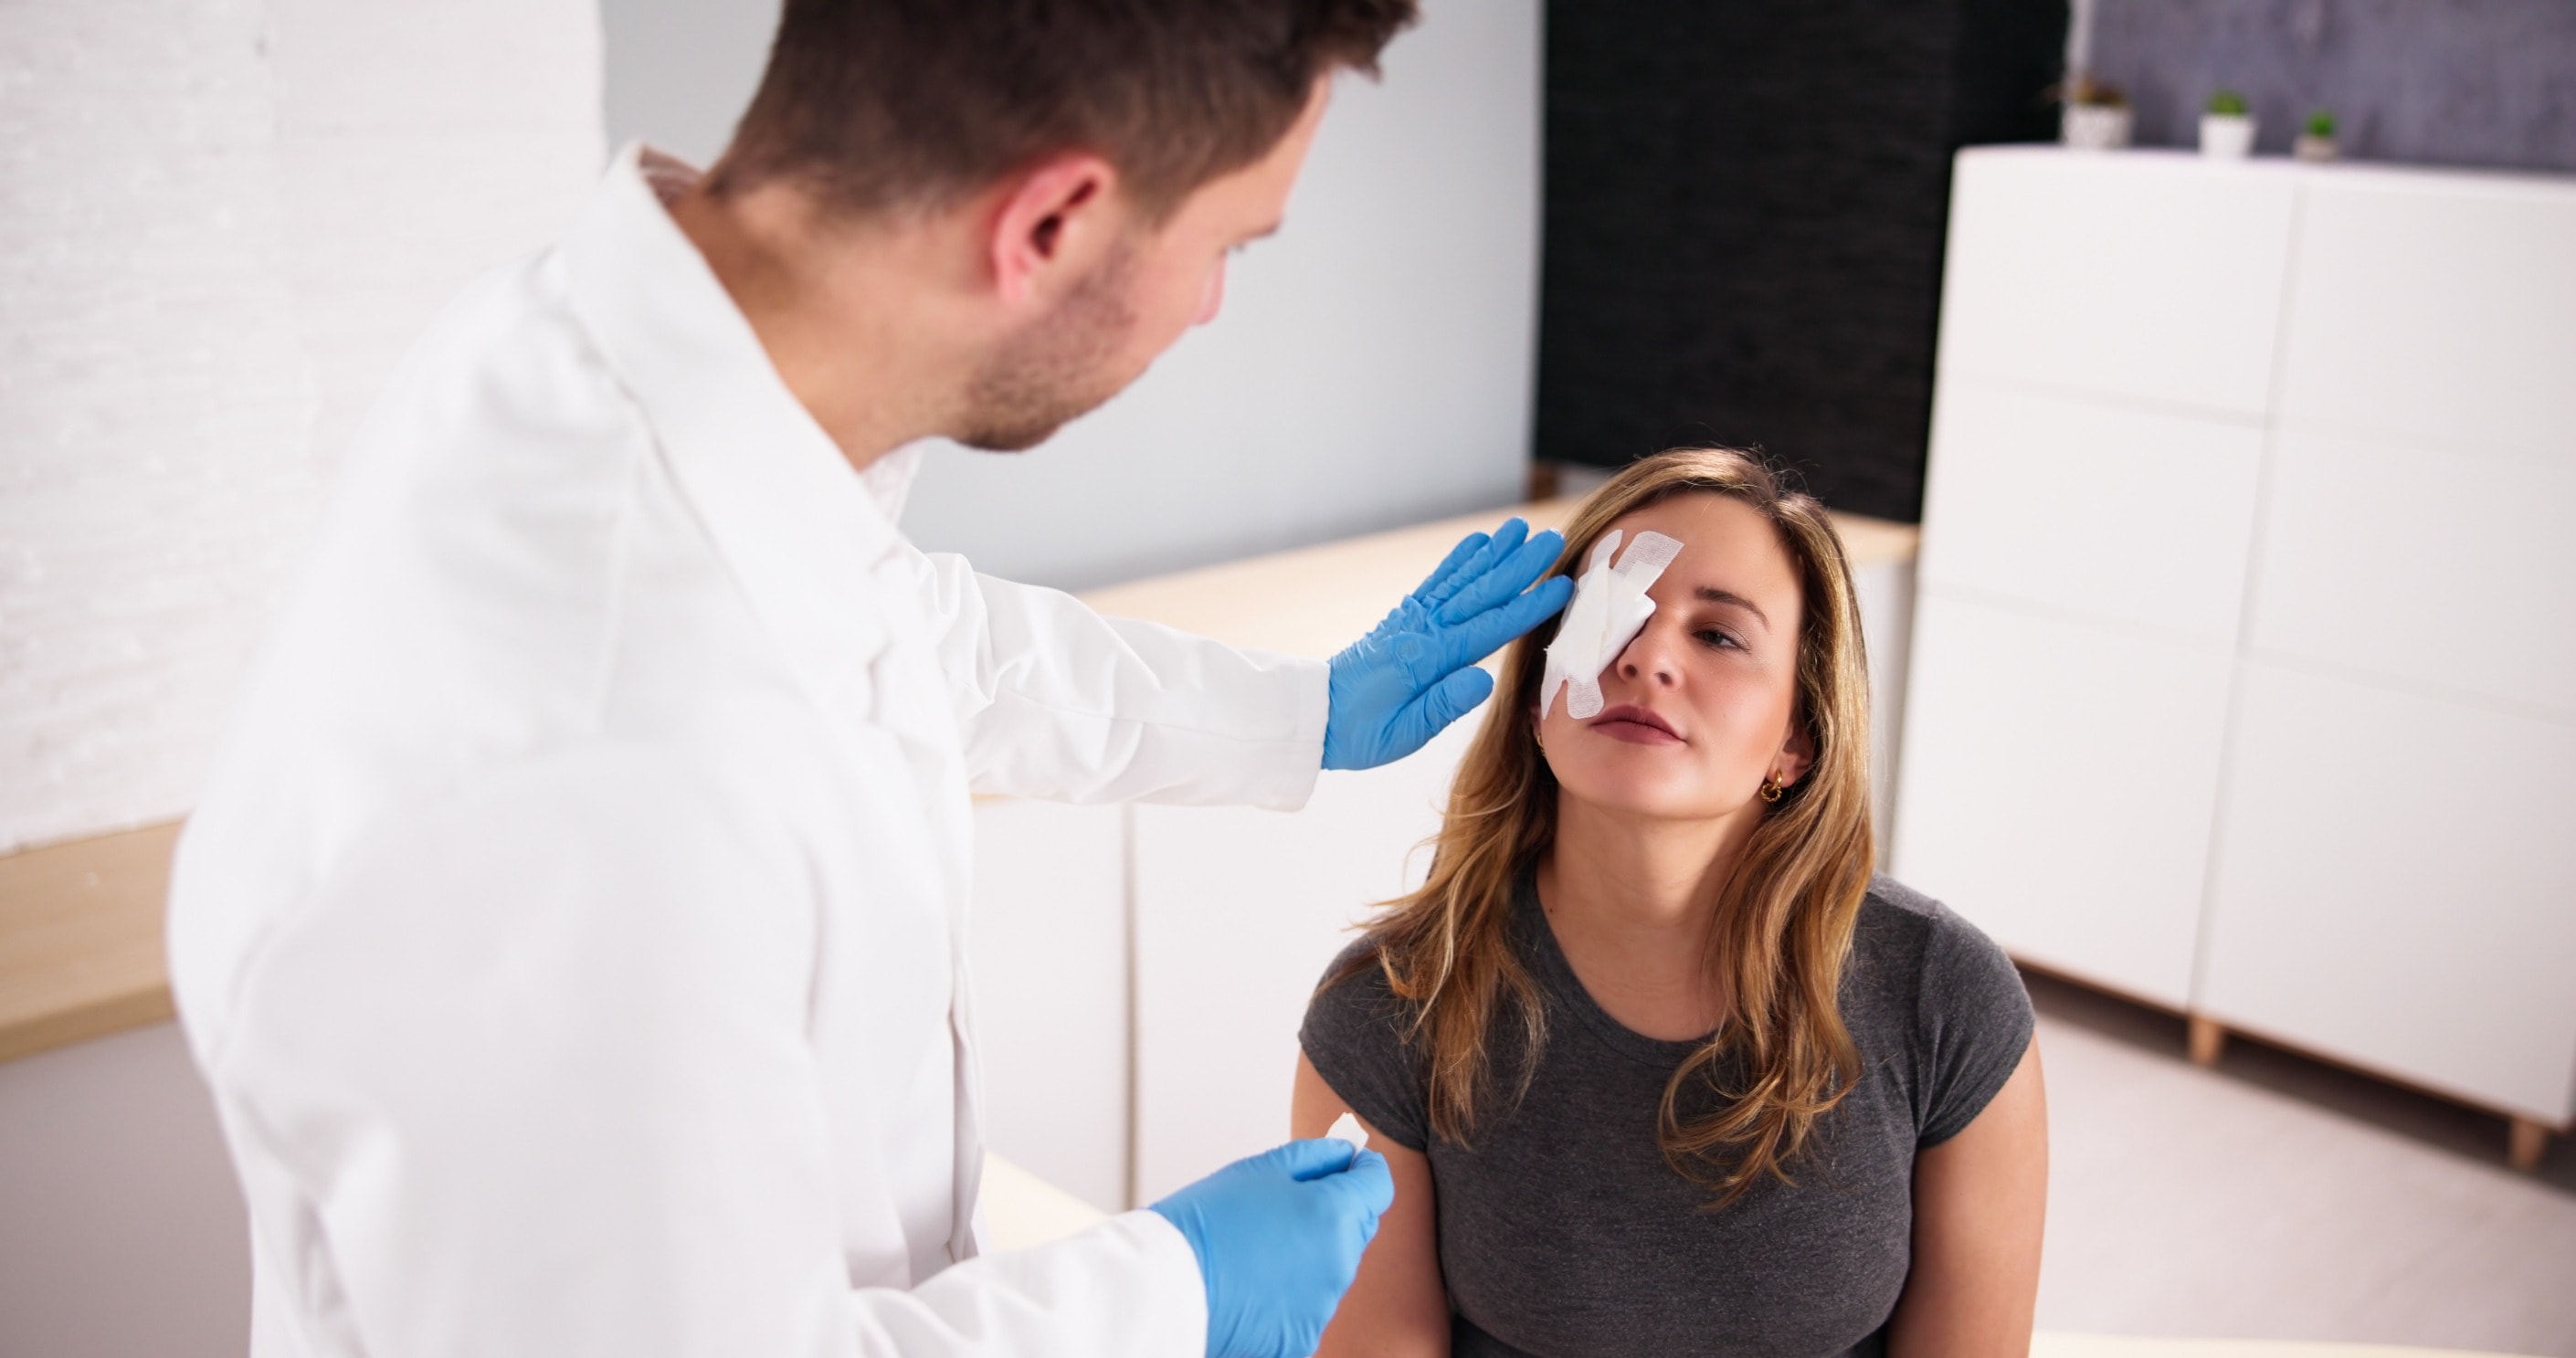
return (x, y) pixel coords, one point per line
(1711, 637)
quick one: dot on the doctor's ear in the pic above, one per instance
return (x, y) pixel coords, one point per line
(1062, 211)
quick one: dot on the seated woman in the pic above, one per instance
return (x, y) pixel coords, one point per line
(1660, 1067)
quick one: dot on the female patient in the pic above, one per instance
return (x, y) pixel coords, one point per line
(1660, 1068)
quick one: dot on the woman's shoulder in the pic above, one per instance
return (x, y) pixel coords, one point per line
(1932, 991)
(1902, 933)
(1357, 1035)
(1354, 989)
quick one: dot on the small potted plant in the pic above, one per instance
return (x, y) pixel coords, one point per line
(2227, 129)
(2096, 116)
(2316, 139)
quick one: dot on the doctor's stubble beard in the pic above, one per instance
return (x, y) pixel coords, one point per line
(1058, 368)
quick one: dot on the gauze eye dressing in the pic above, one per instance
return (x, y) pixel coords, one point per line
(1610, 607)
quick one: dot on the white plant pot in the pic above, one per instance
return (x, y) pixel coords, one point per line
(2313, 148)
(2095, 127)
(2227, 136)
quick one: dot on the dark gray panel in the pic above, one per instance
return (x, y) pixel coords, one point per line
(2432, 82)
(1744, 214)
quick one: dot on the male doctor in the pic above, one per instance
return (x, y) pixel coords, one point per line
(572, 935)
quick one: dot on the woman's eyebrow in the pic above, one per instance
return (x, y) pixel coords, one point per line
(1712, 594)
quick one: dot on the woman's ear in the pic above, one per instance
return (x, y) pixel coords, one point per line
(1797, 755)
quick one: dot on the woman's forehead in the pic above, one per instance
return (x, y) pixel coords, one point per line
(1726, 543)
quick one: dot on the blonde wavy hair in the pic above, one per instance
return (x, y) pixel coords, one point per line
(1781, 1058)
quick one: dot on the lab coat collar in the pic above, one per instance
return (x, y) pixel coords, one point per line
(798, 526)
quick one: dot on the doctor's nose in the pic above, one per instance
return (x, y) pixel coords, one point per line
(1215, 298)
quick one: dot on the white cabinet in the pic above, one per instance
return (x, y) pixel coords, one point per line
(2142, 276)
(2010, 721)
(2393, 887)
(1048, 947)
(2244, 667)
(2444, 571)
(2437, 309)
(2006, 465)
(1238, 912)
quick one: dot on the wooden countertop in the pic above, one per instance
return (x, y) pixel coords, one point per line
(80, 923)
(80, 939)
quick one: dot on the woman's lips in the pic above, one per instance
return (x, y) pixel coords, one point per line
(1635, 725)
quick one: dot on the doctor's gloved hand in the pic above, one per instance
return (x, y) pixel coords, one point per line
(1278, 1238)
(1415, 673)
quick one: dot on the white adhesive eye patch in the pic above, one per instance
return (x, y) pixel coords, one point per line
(1347, 1127)
(1610, 607)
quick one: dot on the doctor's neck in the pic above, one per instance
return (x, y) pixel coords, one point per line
(868, 319)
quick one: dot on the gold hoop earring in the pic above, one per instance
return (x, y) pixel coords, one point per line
(1772, 788)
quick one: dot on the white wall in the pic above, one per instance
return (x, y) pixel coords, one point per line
(679, 72)
(223, 222)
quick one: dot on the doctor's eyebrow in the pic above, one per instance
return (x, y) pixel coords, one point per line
(1712, 594)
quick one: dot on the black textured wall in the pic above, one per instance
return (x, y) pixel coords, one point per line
(1744, 213)
(2430, 82)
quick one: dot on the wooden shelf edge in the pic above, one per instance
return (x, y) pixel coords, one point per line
(80, 939)
(104, 1017)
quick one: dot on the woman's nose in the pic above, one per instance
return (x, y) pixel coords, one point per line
(1649, 657)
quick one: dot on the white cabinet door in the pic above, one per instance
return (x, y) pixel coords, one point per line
(1049, 952)
(2436, 309)
(2149, 276)
(2449, 572)
(2058, 784)
(2112, 512)
(2393, 888)
(1237, 914)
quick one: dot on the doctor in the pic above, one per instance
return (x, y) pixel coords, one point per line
(572, 934)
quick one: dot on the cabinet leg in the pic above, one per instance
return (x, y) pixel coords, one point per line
(2208, 1039)
(2530, 1142)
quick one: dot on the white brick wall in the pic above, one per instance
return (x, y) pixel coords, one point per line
(221, 222)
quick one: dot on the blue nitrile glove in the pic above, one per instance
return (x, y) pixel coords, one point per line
(1415, 673)
(1278, 1238)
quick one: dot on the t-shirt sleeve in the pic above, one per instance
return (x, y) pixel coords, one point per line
(1976, 1023)
(1355, 1035)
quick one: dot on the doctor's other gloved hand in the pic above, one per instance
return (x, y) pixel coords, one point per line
(1279, 1238)
(1415, 672)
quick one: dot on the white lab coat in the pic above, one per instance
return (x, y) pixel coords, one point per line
(573, 932)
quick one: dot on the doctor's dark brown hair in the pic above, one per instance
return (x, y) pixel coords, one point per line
(877, 104)
(1781, 1057)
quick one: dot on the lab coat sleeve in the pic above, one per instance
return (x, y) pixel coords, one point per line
(553, 1094)
(1055, 701)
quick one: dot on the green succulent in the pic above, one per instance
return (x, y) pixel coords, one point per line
(2228, 103)
(2321, 123)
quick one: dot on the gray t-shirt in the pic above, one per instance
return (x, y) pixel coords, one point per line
(1563, 1232)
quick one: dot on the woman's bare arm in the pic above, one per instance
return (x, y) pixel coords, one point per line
(1980, 1199)
(1397, 1307)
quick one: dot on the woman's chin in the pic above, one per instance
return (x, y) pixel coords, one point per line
(1642, 794)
